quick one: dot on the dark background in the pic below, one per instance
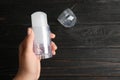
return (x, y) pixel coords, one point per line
(88, 51)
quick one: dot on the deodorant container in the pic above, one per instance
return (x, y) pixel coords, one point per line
(42, 40)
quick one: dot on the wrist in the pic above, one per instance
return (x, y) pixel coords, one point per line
(22, 75)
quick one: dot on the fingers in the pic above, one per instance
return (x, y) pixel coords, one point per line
(54, 48)
(27, 44)
(53, 45)
(52, 35)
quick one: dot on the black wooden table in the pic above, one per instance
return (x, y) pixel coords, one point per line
(88, 51)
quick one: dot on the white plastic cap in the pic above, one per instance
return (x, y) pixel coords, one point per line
(39, 19)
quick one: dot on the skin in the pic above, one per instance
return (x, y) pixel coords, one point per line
(29, 63)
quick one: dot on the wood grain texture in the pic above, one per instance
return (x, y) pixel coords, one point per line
(88, 51)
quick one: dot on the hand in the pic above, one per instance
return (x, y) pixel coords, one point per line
(29, 63)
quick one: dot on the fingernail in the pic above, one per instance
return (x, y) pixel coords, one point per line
(29, 31)
(56, 47)
(53, 52)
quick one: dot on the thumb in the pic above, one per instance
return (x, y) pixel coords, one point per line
(29, 39)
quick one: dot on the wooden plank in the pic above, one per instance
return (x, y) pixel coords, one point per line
(106, 35)
(88, 51)
(70, 62)
(83, 62)
(87, 35)
(88, 12)
(80, 78)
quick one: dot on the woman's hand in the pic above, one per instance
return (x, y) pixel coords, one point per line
(29, 63)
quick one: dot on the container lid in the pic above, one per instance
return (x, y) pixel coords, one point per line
(39, 19)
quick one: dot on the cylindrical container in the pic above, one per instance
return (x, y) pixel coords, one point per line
(41, 45)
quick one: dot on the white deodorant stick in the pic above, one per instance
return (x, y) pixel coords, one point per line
(41, 45)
